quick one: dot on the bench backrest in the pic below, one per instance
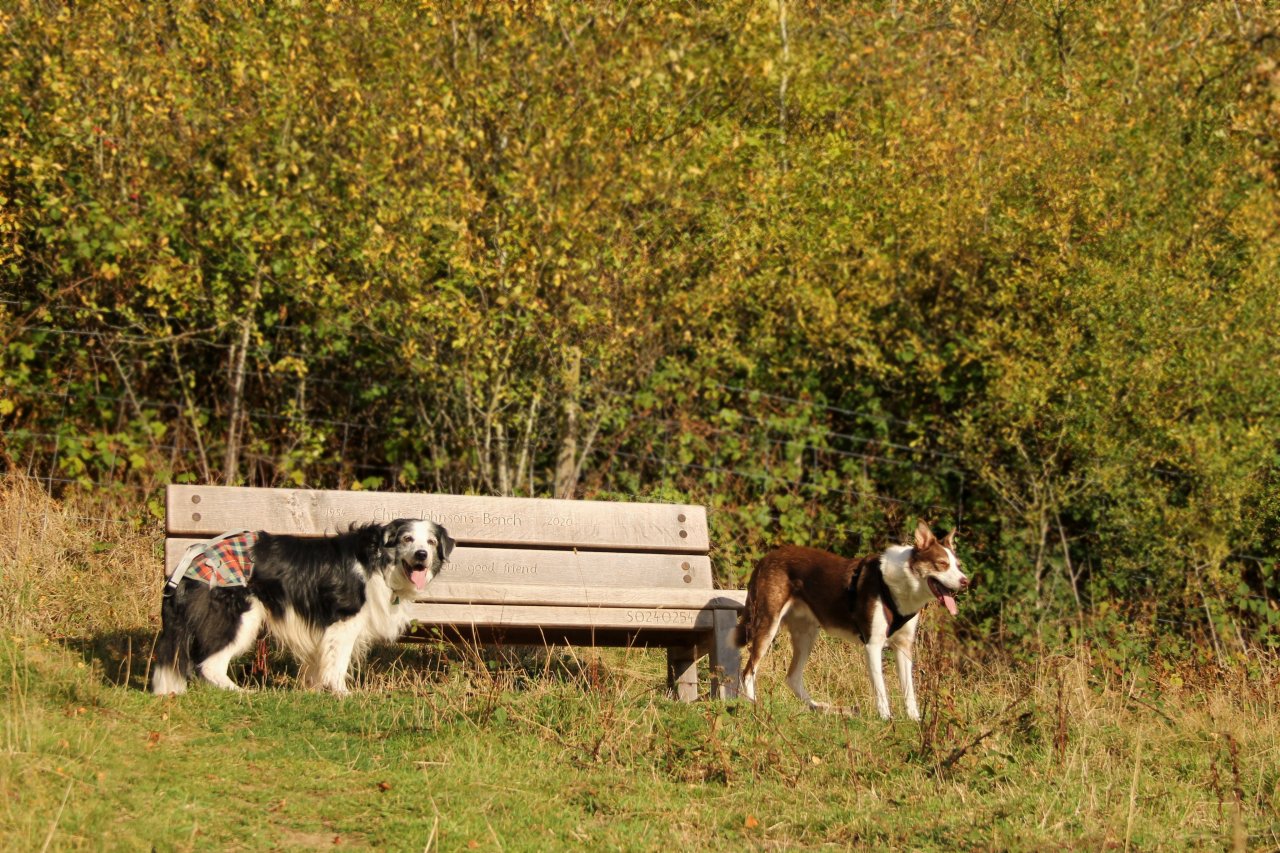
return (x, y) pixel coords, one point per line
(503, 541)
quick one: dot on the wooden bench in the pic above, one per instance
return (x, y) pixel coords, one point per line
(525, 570)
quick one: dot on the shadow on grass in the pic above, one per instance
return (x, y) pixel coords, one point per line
(516, 667)
(120, 658)
(123, 659)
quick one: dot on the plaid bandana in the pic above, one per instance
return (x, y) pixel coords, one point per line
(225, 562)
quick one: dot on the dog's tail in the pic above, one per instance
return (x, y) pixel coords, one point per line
(173, 651)
(742, 634)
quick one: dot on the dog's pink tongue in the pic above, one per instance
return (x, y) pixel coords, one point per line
(419, 579)
(949, 603)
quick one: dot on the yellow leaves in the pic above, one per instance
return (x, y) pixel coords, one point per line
(291, 364)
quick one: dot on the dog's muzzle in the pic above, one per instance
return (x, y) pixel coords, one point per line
(946, 595)
(419, 571)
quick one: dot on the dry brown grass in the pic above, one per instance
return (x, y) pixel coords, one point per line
(79, 567)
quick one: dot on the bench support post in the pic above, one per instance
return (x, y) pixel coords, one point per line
(726, 660)
(682, 672)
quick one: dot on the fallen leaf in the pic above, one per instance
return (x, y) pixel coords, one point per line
(751, 822)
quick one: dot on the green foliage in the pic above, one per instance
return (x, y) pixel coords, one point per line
(1010, 266)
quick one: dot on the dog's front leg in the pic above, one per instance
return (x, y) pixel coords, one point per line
(875, 665)
(336, 649)
(903, 663)
(903, 645)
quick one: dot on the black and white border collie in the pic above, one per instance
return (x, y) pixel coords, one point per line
(325, 599)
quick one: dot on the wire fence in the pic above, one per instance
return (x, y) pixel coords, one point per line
(814, 441)
(918, 454)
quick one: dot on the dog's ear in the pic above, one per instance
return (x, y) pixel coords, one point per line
(949, 541)
(924, 536)
(391, 533)
(444, 544)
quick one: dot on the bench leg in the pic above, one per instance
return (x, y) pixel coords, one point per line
(682, 672)
(726, 659)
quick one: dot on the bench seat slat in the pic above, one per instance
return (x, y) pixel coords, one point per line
(523, 615)
(204, 511)
(440, 592)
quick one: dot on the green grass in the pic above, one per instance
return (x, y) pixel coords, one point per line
(455, 754)
(580, 749)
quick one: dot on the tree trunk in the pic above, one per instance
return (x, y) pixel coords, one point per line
(566, 479)
(231, 463)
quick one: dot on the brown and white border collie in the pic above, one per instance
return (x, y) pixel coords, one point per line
(875, 599)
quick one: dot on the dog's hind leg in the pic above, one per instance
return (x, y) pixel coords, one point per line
(763, 630)
(173, 650)
(804, 633)
(214, 667)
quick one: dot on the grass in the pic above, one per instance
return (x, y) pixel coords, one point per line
(579, 749)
